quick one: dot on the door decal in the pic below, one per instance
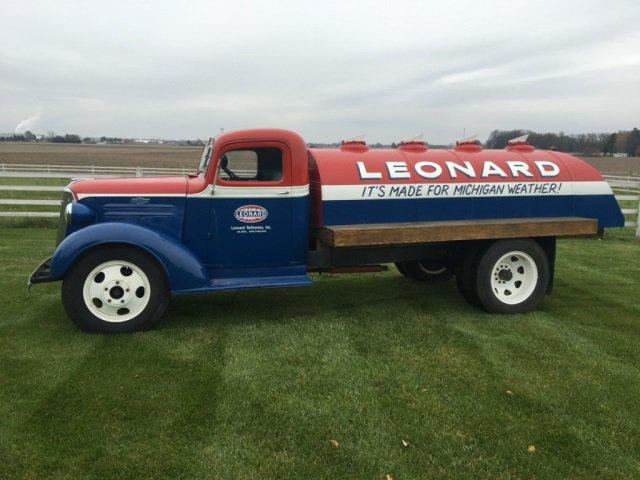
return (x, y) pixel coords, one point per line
(251, 213)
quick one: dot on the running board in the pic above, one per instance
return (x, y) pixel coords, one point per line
(219, 284)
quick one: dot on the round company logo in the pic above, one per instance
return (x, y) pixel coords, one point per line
(251, 213)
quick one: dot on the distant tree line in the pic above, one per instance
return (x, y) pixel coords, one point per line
(68, 138)
(588, 143)
(28, 136)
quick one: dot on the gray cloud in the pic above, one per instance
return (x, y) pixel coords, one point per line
(325, 69)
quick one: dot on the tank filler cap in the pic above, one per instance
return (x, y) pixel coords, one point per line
(413, 144)
(520, 144)
(354, 144)
(469, 144)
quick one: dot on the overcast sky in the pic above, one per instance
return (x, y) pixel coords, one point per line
(327, 69)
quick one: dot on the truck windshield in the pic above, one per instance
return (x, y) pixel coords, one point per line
(206, 155)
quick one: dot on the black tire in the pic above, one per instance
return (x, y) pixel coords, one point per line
(467, 272)
(401, 269)
(425, 270)
(517, 266)
(74, 282)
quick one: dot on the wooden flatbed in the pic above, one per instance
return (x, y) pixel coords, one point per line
(426, 232)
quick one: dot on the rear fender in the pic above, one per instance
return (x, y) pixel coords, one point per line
(184, 270)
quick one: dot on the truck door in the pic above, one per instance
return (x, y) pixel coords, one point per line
(251, 235)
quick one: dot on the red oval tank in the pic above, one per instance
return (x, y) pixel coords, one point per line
(409, 184)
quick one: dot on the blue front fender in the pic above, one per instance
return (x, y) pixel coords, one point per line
(184, 270)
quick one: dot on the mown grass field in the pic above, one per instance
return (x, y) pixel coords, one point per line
(257, 384)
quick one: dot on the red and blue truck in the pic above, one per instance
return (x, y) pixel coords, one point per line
(263, 210)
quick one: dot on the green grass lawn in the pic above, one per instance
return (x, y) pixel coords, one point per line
(255, 384)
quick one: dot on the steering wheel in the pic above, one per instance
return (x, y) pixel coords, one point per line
(224, 165)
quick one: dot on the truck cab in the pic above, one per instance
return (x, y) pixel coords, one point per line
(247, 209)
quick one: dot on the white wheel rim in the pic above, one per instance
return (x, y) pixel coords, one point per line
(514, 277)
(116, 291)
(429, 271)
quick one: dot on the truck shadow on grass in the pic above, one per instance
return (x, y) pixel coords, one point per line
(331, 296)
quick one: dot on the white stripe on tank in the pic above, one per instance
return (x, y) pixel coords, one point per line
(462, 190)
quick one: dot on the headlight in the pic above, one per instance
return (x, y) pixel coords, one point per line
(68, 210)
(78, 215)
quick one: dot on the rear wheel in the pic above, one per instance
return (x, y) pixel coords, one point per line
(115, 289)
(425, 270)
(467, 272)
(512, 276)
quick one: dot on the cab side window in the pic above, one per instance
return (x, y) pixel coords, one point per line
(254, 165)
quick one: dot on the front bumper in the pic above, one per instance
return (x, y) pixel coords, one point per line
(41, 274)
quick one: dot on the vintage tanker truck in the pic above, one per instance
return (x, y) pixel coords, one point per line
(263, 210)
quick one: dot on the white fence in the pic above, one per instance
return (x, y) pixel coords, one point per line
(29, 202)
(627, 190)
(624, 183)
(84, 171)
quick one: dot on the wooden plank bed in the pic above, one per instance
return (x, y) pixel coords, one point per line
(426, 232)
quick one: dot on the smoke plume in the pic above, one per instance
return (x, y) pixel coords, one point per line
(28, 123)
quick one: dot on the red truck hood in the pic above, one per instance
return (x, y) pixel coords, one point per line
(157, 186)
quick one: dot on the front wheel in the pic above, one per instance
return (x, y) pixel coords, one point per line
(115, 289)
(512, 276)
